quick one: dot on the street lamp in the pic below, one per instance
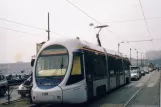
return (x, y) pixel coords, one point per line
(130, 55)
(141, 59)
(137, 56)
(119, 46)
(144, 59)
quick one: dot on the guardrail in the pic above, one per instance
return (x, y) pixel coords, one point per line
(9, 90)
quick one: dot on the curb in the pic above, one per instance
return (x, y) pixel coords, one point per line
(160, 90)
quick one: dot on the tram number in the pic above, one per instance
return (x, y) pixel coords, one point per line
(44, 94)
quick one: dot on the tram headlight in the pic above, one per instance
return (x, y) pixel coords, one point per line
(58, 97)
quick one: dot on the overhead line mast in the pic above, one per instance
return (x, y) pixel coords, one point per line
(48, 28)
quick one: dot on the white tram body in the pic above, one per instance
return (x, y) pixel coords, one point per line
(74, 71)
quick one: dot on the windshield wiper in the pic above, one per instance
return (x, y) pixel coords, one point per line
(61, 66)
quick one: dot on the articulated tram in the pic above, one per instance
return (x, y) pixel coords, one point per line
(75, 71)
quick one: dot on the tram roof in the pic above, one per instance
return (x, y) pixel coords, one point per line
(81, 44)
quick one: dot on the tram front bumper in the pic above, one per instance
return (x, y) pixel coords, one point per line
(53, 95)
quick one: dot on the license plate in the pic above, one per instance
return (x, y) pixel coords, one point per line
(44, 94)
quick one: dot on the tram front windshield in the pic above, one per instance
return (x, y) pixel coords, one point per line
(52, 62)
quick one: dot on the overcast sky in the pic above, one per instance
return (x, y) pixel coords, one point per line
(68, 21)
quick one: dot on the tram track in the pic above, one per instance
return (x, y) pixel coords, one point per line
(136, 93)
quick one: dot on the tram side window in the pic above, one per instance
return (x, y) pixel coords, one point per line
(112, 72)
(126, 65)
(111, 66)
(1, 77)
(89, 65)
(117, 66)
(76, 73)
(120, 66)
(76, 66)
(99, 66)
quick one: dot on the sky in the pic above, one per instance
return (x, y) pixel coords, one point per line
(124, 17)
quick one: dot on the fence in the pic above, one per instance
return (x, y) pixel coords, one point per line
(16, 82)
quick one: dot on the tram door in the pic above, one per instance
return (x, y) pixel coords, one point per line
(112, 72)
(88, 60)
(122, 74)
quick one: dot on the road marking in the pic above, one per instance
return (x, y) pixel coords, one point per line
(150, 85)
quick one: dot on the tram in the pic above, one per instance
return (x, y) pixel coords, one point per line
(75, 71)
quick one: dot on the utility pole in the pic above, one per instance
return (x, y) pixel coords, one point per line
(48, 28)
(154, 62)
(130, 55)
(118, 47)
(141, 59)
(137, 58)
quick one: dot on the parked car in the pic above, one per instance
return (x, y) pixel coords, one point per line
(146, 70)
(135, 72)
(142, 71)
(150, 69)
(24, 88)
